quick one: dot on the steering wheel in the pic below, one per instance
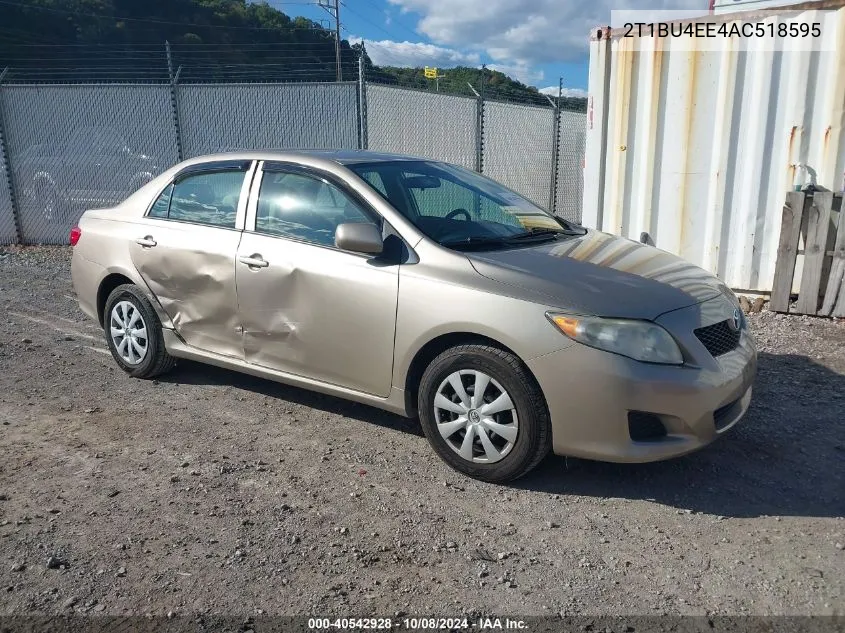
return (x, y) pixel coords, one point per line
(453, 214)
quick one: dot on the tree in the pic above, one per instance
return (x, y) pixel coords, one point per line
(212, 40)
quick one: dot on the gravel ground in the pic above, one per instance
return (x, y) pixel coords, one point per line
(212, 492)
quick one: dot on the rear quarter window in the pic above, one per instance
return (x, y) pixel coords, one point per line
(162, 204)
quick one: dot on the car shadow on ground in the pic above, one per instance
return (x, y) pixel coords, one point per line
(785, 458)
(191, 373)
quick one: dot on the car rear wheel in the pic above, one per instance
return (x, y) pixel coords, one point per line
(47, 199)
(484, 413)
(133, 333)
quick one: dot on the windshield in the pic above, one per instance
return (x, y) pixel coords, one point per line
(459, 208)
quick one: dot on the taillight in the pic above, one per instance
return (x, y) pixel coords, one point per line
(75, 234)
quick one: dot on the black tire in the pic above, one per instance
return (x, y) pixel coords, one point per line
(534, 438)
(48, 200)
(157, 361)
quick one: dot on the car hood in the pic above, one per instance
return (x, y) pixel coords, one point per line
(602, 275)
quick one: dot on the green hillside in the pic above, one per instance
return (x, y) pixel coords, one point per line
(211, 40)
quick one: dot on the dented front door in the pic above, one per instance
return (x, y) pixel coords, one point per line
(317, 312)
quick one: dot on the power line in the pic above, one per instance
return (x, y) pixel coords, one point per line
(368, 21)
(399, 22)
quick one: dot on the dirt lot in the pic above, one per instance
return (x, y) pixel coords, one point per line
(212, 492)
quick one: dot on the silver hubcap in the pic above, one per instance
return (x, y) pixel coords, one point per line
(476, 416)
(128, 332)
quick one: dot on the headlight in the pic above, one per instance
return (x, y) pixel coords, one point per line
(640, 340)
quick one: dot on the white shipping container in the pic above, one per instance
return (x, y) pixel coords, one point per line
(698, 145)
(727, 6)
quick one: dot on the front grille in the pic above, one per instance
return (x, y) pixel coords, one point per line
(719, 338)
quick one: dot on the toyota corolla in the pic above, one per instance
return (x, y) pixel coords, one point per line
(425, 289)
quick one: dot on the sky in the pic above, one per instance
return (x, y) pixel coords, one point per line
(535, 41)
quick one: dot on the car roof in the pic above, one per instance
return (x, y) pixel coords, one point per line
(339, 156)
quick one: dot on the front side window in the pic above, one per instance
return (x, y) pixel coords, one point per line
(304, 207)
(457, 207)
(210, 198)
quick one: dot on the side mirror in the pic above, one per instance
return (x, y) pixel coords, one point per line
(359, 237)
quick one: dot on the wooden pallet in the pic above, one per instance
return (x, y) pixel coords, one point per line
(818, 218)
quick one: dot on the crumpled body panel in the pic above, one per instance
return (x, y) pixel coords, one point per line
(191, 271)
(319, 313)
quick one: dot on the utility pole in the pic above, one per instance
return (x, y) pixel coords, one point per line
(332, 7)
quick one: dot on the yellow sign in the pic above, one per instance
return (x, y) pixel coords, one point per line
(430, 73)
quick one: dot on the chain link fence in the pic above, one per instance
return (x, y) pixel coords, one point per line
(570, 165)
(424, 124)
(224, 117)
(519, 148)
(76, 147)
(7, 218)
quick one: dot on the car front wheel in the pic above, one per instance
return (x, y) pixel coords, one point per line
(133, 333)
(484, 413)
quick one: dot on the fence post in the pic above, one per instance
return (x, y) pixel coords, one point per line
(479, 123)
(363, 135)
(174, 103)
(5, 158)
(555, 149)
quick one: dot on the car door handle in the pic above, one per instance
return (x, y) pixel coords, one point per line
(147, 241)
(254, 261)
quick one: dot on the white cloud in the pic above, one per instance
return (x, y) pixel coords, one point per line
(416, 54)
(522, 72)
(567, 92)
(523, 33)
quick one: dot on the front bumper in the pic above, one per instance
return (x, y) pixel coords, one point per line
(590, 394)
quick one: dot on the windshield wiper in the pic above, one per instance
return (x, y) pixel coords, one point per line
(536, 232)
(543, 232)
(476, 240)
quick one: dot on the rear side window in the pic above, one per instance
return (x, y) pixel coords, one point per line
(210, 198)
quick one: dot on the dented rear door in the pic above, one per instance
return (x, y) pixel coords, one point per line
(191, 271)
(185, 247)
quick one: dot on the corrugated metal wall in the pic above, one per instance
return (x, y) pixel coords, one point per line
(223, 117)
(519, 148)
(422, 124)
(75, 147)
(699, 147)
